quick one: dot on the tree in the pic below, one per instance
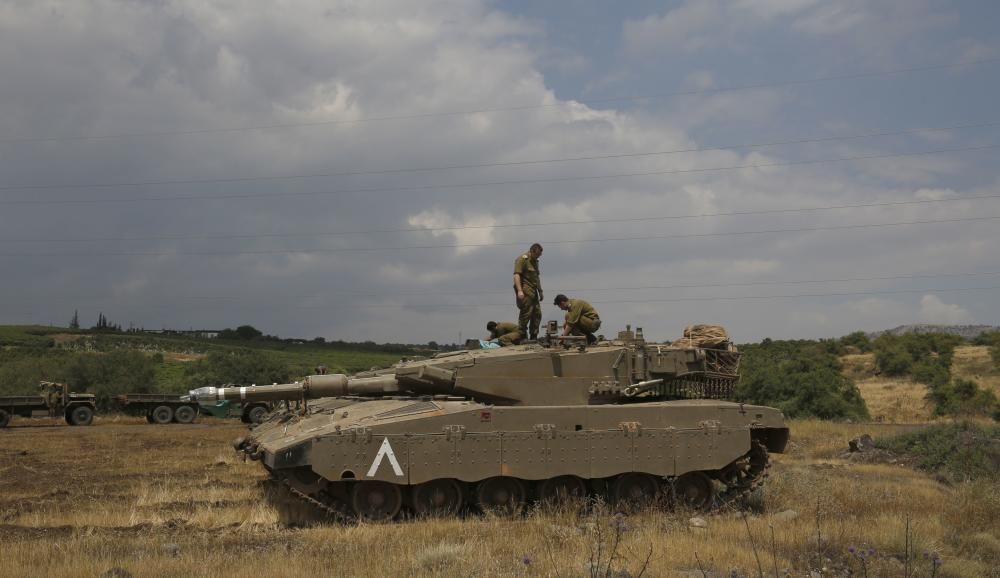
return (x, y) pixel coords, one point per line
(74, 323)
(241, 333)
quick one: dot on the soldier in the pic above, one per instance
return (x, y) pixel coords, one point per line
(505, 332)
(528, 292)
(581, 317)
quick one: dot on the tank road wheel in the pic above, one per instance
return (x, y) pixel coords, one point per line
(4, 418)
(694, 490)
(162, 414)
(635, 490)
(376, 501)
(257, 414)
(185, 414)
(502, 494)
(438, 498)
(80, 415)
(562, 489)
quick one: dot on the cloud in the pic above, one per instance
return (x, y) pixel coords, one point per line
(376, 96)
(935, 311)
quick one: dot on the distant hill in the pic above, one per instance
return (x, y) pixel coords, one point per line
(965, 331)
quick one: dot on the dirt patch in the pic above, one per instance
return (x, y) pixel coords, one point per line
(172, 356)
(61, 338)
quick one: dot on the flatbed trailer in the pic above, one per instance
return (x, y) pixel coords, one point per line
(158, 408)
(56, 401)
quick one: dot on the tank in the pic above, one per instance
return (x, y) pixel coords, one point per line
(625, 420)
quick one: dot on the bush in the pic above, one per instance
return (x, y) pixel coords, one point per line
(963, 397)
(243, 366)
(897, 355)
(893, 360)
(930, 372)
(857, 339)
(801, 378)
(109, 374)
(960, 452)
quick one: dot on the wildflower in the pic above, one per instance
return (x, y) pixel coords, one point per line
(526, 560)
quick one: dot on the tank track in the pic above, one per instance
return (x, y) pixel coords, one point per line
(746, 475)
(320, 510)
(740, 479)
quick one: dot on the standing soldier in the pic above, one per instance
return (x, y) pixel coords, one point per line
(505, 333)
(581, 317)
(528, 292)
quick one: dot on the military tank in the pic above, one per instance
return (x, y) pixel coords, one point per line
(496, 429)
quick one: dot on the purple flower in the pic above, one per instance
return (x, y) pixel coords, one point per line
(526, 560)
(852, 550)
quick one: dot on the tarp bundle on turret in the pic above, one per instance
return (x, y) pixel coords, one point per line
(705, 336)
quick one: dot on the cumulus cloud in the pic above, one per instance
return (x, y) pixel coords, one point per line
(385, 131)
(934, 310)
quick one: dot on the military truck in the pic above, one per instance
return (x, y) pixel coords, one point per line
(494, 429)
(158, 408)
(55, 400)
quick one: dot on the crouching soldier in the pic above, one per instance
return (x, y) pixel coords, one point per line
(505, 333)
(581, 317)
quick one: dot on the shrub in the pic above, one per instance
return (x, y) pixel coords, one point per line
(108, 374)
(963, 397)
(930, 372)
(801, 378)
(893, 360)
(960, 452)
(243, 366)
(857, 339)
(897, 355)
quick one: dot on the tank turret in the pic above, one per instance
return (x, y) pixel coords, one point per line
(625, 419)
(558, 371)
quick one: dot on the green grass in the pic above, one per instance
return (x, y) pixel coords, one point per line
(29, 354)
(28, 335)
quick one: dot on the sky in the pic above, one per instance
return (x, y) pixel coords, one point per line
(370, 170)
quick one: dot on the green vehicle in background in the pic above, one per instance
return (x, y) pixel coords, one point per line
(247, 412)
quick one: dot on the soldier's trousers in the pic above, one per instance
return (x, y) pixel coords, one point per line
(529, 317)
(511, 338)
(586, 327)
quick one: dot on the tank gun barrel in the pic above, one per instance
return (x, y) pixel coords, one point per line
(312, 387)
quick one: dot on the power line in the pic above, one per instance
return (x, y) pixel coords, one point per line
(527, 162)
(503, 226)
(292, 298)
(506, 244)
(448, 307)
(481, 184)
(522, 108)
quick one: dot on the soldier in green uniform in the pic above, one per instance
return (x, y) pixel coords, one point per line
(505, 332)
(528, 292)
(581, 317)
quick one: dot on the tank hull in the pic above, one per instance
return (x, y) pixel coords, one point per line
(389, 449)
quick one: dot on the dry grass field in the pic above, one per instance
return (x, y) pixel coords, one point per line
(167, 501)
(974, 362)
